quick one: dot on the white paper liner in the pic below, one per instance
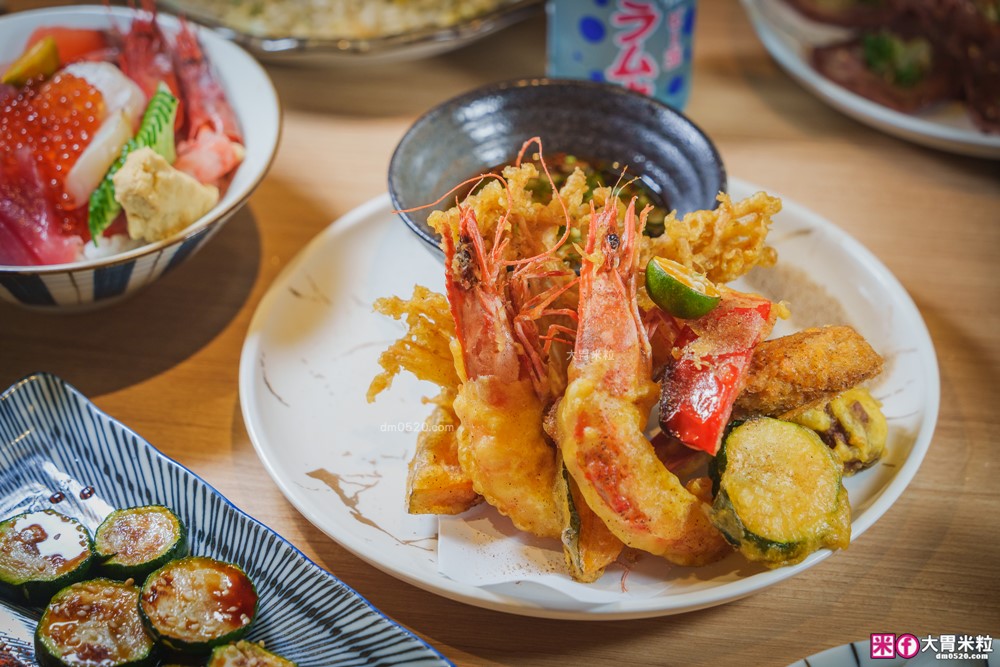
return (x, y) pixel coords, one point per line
(483, 548)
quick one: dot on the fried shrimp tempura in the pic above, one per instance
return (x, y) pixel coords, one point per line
(545, 347)
(792, 371)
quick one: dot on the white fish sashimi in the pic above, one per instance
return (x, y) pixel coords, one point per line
(124, 103)
(119, 91)
(98, 157)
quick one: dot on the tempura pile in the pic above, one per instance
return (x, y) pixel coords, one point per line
(500, 346)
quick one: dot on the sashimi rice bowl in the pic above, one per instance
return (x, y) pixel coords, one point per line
(126, 138)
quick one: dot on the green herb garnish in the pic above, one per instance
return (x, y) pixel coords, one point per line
(901, 62)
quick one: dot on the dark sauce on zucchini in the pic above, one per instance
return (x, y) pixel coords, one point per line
(600, 174)
(134, 536)
(47, 540)
(94, 622)
(237, 600)
(216, 597)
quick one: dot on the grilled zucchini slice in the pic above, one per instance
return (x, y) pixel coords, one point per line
(195, 604)
(133, 542)
(246, 654)
(779, 494)
(92, 623)
(42, 552)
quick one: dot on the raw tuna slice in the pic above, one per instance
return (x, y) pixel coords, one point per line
(30, 225)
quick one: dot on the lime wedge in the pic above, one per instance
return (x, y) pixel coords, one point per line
(678, 290)
(42, 59)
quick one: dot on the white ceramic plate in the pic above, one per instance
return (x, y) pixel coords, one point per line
(332, 52)
(789, 38)
(311, 351)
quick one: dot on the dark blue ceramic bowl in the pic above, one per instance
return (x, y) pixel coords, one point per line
(477, 131)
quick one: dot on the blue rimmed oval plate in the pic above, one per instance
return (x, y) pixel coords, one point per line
(55, 445)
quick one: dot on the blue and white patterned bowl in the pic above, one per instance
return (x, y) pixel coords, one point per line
(55, 441)
(95, 283)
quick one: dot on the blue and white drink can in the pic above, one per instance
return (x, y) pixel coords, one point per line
(644, 45)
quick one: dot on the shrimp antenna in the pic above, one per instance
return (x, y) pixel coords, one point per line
(619, 187)
(502, 223)
(475, 179)
(555, 192)
(616, 193)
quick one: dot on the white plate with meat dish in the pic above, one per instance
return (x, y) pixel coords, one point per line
(790, 38)
(351, 32)
(312, 350)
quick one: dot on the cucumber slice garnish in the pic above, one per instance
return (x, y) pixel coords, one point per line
(679, 291)
(42, 552)
(133, 542)
(195, 604)
(93, 623)
(157, 132)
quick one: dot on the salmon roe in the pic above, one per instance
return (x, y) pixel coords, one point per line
(55, 120)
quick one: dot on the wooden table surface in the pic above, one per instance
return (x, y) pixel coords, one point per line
(166, 362)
